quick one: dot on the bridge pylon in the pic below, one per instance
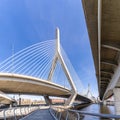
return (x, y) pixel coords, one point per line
(58, 57)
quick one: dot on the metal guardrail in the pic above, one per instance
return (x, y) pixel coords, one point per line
(17, 111)
(58, 111)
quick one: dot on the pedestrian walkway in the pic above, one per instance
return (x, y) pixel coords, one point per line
(42, 114)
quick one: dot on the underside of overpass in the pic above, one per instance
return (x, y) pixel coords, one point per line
(103, 23)
(15, 83)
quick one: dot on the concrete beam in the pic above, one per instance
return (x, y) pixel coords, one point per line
(113, 82)
(99, 39)
(71, 99)
(108, 62)
(107, 72)
(116, 92)
(107, 81)
(5, 99)
(104, 81)
(111, 45)
(30, 85)
(105, 76)
(105, 84)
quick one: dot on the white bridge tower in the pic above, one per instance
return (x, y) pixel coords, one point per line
(58, 57)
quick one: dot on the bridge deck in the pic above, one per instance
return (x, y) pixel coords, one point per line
(42, 114)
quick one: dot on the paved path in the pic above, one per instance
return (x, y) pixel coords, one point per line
(42, 114)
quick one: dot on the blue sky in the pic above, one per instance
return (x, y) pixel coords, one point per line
(26, 22)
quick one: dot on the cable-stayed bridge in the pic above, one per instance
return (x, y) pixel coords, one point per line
(42, 69)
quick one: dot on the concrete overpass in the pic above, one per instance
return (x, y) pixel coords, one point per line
(5, 99)
(15, 83)
(103, 23)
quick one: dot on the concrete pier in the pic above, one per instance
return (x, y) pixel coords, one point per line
(116, 92)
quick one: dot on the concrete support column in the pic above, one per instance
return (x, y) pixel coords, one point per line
(19, 102)
(47, 100)
(71, 99)
(104, 102)
(116, 92)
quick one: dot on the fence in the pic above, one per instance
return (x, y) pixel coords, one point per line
(16, 112)
(62, 113)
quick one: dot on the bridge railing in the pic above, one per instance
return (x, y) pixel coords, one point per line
(62, 113)
(16, 112)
